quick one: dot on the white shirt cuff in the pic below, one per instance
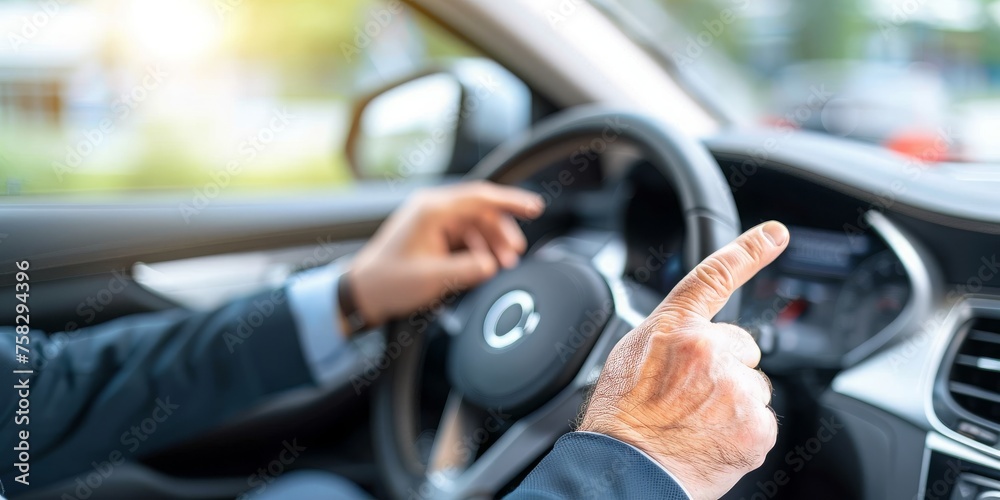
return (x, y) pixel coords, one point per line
(312, 297)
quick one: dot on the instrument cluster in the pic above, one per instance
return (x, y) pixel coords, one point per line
(832, 290)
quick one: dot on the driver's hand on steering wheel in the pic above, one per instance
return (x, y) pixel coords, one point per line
(440, 241)
(683, 389)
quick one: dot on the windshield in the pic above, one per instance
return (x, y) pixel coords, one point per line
(908, 75)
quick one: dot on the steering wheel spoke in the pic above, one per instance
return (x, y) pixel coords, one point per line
(456, 441)
(518, 447)
(450, 320)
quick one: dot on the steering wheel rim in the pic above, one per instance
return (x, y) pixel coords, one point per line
(711, 220)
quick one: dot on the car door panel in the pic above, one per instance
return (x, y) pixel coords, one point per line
(82, 255)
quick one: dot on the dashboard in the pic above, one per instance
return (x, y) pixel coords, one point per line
(883, 313)
(827, 294)
(834, 290)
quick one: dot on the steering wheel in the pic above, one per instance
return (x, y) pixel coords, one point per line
(526, 347)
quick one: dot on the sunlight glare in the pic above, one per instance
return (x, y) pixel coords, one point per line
(173, 30)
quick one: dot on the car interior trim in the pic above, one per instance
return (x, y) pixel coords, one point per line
(923, 283)
(971, 308)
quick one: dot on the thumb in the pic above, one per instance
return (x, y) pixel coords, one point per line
(707, 288)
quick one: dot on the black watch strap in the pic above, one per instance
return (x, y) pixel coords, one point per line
(348, 307)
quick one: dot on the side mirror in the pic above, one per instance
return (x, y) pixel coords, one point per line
(438, 122)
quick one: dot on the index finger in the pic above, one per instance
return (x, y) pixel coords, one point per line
(706, 289)
(473, 198)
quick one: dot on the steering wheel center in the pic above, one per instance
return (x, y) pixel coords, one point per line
(538, 323)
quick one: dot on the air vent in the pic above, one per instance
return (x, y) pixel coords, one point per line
(974, 381)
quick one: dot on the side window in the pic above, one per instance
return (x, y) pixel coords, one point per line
(102, 97)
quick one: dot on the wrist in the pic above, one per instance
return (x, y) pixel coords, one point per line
(354, 317)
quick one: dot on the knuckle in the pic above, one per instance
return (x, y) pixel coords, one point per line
(740, 339)
(742, 334)
(756, 440)
(766, 427)
(454, 193)
(766, 382)
(520, 244)
(475, 188)
(696, 348)
(751, 453)
(730, 389)
(489, 217)
(752, 248)
(769, 429)
(717, 276)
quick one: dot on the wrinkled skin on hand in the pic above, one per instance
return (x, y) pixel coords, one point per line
(683, 389)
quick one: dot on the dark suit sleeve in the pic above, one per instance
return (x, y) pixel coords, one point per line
(584, 465)
(131, 386)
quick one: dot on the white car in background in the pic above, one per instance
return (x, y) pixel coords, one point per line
(877, 103)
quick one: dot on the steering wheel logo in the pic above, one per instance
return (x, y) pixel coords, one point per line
(525, 324)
